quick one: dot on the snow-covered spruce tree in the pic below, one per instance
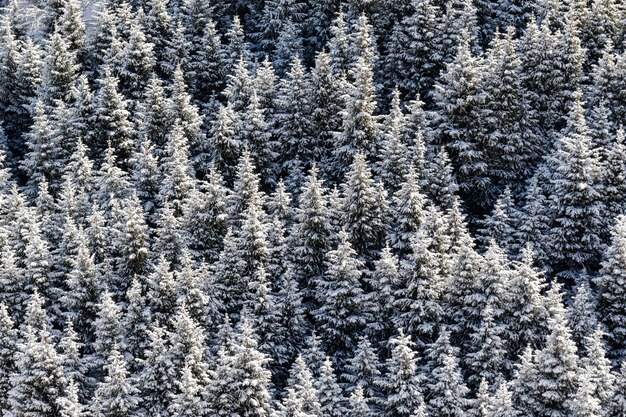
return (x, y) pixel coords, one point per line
(150, 116)
(301, 397)
(455, 124)
(611, 309)
(363, 369)
(502, 223)
(360, 128)
(329, 393)
(401, 394)
(581, 314)
(182, 109)
(508, 134)
(597, 369)
(413, 62)
(550, 380)
(295, 133)
(38, 381)
(59, 70)
(112, 127)
(137, 61)
(8, 349)
(117, 395)
(445, 390)
(326, 103)
(613, 175)
(357, 404)
(406, 206)
(176, 171)
(108, 331)
(576, 236)
(254, 134)
(343, 310)
(157, 378)
(364, 208)
(394, 163)
(243, 388)
(223, 142)
(205, 216)
(618, 402)
(310, 236)
(417, 305)
(529, 322)
(486, 357)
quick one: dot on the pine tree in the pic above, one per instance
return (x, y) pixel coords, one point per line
(188, 401)
(254, 134)
(581, 315)
(137, 319)
(224, 144)
(326, 103)
(488, 350)
(59, 71)
(417, 305)
(137, 62)
(439, 181)
(294, 116)
(530, 314)
(614, 173)
(455, 125)
(406, 207)
(357, 404)
(585, 403)
(205, 216)
(311, 233)
(157, 380)
(182, 109)
(508, 133)
(618, 403)
(107, 329)
(70, 405)
(413, 61)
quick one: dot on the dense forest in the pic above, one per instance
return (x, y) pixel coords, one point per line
(313, 208)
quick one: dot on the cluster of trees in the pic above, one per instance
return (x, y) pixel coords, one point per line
(313, 208)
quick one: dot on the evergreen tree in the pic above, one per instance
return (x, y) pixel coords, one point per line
(576, 238)
(112, 119)
(363, 370)
(38, 381)
(401, 391)
(610, 308)
(117, 394)
(360, 128)
(343, 311)
(364, 208)
(446, 391)
(243, 387)
(329, 392)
